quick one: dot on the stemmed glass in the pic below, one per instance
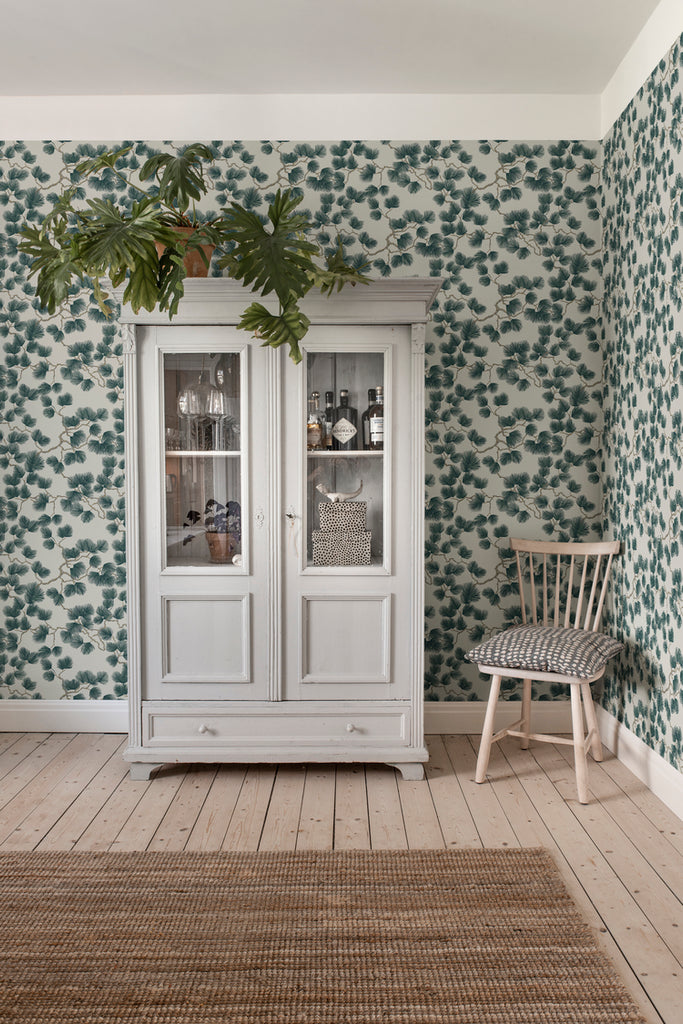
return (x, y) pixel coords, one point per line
(188, 413)
(198, 403)
(216, 410)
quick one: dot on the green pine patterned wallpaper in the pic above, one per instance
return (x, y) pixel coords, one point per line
(514, 388)
(513, 385)
(642, 205)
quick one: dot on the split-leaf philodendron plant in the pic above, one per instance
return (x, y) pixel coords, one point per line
(95, 240)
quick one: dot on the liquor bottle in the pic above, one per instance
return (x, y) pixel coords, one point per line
(328, 420)
(314, 424)
(365, 418)
(345, 429)
(376, 421)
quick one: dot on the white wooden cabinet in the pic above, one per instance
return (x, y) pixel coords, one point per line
(272, 654)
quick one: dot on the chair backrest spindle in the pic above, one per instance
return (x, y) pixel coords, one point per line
(579, 603)
(568, 606)
(603, 592)
(566, 555)
(591, 599)
(520, 580)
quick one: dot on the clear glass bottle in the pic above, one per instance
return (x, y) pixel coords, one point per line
(376, 421)
(328, 420)
(345, 429)
(314, 424)
(365, 418)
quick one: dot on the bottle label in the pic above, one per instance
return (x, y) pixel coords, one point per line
(376, 429)
(314, 435)
(343, 431)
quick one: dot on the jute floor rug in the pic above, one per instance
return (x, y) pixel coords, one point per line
(444, 937)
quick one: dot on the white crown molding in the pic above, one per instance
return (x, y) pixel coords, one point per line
(221, 300)
(304, 117)
(660, 32)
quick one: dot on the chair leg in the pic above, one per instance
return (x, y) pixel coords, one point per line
(580, 765)
(591, 720)
(487, 731)
(526, 713)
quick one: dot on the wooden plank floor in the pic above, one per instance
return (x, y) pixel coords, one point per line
(621, 855)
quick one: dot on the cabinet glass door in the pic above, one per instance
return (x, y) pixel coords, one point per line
(204, 555)
(347, 515)
(345, 442)
(203, 459)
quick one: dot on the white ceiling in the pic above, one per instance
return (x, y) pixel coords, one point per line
(155, 47)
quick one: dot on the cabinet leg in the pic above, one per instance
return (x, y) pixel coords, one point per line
(411, 771)
(141, 771)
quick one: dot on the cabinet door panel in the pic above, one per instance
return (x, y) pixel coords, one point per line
(206, 640)
(346, 638)
(204, 551)
(348, 548)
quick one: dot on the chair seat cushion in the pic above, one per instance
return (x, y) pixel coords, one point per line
(569, 652)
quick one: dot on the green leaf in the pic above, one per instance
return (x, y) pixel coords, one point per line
(170, 287)
(101, 297)
(142, 289)
(338, 273)
(287, 327)
(113, 239)
(98, 163)
(278, 260)
(56, 267)
(180, 176)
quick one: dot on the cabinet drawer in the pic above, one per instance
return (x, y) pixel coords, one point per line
(208, 725)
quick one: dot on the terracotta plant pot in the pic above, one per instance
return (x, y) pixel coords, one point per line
(222, 546)
(194, 264)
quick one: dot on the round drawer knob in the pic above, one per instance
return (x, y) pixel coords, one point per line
(350, 727)
(203, 729)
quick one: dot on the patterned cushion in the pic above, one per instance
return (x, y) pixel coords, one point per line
(569, 652)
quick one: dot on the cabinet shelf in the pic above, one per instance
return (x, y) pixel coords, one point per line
(344, 455)
(178, 453)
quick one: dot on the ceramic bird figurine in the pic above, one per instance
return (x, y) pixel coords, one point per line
(338, 495)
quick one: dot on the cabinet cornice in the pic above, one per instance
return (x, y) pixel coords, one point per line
(220, 300)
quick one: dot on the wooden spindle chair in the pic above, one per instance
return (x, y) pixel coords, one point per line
(561, 643)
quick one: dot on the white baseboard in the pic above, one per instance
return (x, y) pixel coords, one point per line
(458, 717)
(64, 716)
(447, 717)
(660, 777)
(112, 716)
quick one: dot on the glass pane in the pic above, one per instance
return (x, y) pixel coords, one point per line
(345, 458)
(202, 459)
(202, 401)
